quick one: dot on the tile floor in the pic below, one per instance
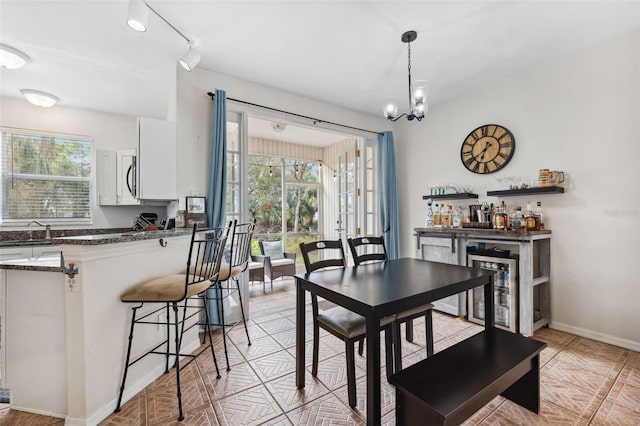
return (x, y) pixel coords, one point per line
(583, 382)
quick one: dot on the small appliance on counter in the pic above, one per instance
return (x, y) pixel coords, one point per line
(145, 222)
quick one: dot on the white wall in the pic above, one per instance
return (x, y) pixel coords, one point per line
(109, 131)
(195, 111)
(579, 114)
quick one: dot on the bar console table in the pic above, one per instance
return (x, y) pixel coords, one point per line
(449, 245)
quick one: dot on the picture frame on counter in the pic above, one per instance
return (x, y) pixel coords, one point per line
(196, 211)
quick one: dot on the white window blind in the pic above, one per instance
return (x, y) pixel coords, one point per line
(45, 177)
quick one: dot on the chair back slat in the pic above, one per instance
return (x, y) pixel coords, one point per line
(205, 254)
(367, 249)
(240, 250)
(329, 254)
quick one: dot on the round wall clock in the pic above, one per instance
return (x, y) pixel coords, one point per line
(487, 149)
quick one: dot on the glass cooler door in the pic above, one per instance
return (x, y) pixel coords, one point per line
(505, 291)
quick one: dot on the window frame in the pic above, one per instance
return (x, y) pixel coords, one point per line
(6, 175)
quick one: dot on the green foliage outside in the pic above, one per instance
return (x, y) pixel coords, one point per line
(45, 177)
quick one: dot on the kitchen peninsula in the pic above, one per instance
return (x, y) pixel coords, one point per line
(66, 331)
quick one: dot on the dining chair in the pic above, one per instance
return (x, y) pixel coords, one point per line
(372, 249)
(341, 322)
(237, 259)
(172, 292)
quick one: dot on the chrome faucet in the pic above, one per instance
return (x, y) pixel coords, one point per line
(47, 229)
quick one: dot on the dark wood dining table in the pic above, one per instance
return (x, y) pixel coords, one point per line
(380, 289)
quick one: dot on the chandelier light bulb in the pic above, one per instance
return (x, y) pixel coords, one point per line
(420, 91)
(390, 108)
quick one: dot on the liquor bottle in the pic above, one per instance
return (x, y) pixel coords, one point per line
(500, 218)
(429, 221)
(530, 219)
(445, 217)
(516, 220)
(538, 213)
(456, 222)
(437, 223)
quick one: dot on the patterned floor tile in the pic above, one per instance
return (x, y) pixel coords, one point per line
(325, 411)
(162, 404)
(387, 396)
(251, 407)
(570, 397)
(188, 373)
(277, 325)
(625, 394)
(205, 360)
(630, 374)
(332, 372)
(612, 414)
(389, 419)
(593, 363)
(278, 421)
(274, 365)
(549, 415)
(289, 397)
(204, 416)
(132, 413)
(287, 338)
(239, 336)
(241, 377)
(324, 352)
(20, 418)
(259, 348)
(553, 337)
(484, 412)
(599, 349)
(580, 376)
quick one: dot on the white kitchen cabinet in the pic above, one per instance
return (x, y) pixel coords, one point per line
(106, 177)
(147, 173)
(28, 252)
(157, 167)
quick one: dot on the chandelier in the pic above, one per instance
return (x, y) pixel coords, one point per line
(418, 105)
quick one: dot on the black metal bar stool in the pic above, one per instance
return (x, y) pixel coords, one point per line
(228, 281)
(173, 292)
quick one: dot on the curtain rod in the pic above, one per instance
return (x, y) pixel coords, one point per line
(315, 120)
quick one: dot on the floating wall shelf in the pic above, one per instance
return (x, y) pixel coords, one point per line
(460, 196)
(527, 191)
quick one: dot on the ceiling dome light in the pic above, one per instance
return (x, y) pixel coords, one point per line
(190, 59)
(138, 15)
(39, 98)
(12, 58)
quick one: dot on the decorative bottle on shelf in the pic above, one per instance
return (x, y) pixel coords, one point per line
(501, 220)
(445, 217)
(539, 214)
(456, 222)
(429, 221)
(437, 223)
(530, 219)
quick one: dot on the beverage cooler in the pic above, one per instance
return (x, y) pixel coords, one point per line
(505, 291)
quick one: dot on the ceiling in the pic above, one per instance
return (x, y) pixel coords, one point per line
(346, 53)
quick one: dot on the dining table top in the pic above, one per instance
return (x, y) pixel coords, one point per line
(386, 287)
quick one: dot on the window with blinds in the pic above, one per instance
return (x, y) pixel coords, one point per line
(45, 177)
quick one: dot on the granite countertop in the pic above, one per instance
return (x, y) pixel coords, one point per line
(478, 231)
(99, 237)
(124, 237)
(43, 264)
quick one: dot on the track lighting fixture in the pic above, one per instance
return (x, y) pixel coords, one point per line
(39, 98)
(137, 20)
(12, 58)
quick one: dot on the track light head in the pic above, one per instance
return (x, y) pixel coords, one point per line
(138, 15)
(190, 59)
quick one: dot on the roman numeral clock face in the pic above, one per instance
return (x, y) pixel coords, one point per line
(487, 149)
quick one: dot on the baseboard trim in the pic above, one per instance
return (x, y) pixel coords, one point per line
(594, 335)
(130, 391)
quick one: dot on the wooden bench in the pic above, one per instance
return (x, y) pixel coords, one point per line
(453, 384)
